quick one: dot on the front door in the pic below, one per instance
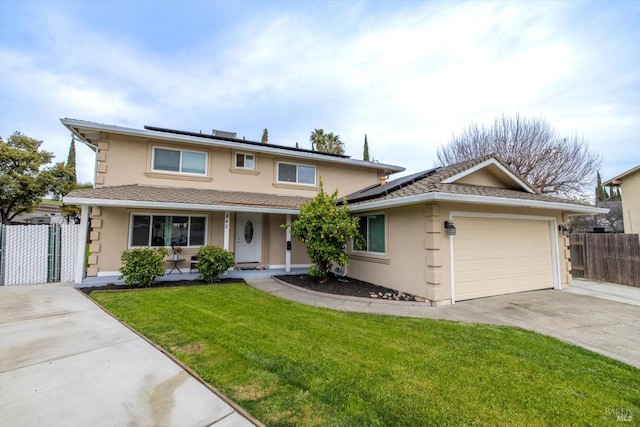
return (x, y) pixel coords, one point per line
(248, 237)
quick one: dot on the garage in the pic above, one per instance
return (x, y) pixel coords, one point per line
(500, 255)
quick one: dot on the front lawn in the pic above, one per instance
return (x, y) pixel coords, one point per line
(290, 364)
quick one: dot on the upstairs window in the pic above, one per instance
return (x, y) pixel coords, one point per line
(245, 161)
(299, 174)
(373, 230)
(180, 161)
(167, 230)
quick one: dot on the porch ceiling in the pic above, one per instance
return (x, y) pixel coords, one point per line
(148, 196)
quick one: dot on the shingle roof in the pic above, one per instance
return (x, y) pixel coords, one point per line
(191, 196)
(430, 181)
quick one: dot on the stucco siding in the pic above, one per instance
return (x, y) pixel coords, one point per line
(403, 266)
(125, 160)
(418, 258)
(630, 190)
(110, 236)
(485, 178)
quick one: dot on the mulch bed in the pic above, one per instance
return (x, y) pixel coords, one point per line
(338, 286)
(349, 287)
(166, 284)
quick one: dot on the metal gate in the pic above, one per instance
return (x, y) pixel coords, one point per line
(31, 254)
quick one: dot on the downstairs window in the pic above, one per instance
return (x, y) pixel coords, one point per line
(167, 230)
(373, 230)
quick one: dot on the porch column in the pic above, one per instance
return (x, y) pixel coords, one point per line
(227, 221)
(82, 244)
(287, 256)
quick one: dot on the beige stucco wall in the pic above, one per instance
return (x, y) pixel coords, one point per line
(630, 190)
(418, 253)
(124, 160)
(110, 236)
(275, 247)
(488, 177)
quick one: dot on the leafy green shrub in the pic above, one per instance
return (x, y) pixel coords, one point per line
(214, 261)
(141, 266)
(326, 228)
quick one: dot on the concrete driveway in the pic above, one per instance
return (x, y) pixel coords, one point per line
(605, 326)
(65, 362)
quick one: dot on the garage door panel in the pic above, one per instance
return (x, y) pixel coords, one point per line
(497, 256)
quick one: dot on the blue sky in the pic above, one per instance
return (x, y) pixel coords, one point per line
(408, 74)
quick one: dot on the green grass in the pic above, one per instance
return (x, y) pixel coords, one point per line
(290, 364)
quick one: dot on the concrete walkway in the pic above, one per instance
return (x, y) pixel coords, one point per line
(599, 321)
(608, 291)
(65, 362)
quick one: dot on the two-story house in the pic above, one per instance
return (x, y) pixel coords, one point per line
(160, 187)
(463, 231)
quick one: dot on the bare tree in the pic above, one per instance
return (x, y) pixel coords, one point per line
(612, 221)
(552, 164)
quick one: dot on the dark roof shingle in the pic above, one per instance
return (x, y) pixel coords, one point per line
(430, 181)
(192, 196)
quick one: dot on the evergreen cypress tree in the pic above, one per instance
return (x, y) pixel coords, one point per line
(601, 193)
(265, 136)
(365, 155)
(71, 161)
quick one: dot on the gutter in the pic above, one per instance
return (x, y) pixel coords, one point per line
(403, 201)
(72, 124)
(479, 200)
(175, 206)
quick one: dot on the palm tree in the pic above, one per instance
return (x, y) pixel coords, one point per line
(333, 144)
(317, 139)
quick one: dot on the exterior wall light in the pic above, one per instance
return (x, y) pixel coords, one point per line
(451, 229)
(564, 230)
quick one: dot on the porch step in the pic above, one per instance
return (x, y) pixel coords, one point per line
(250, 266)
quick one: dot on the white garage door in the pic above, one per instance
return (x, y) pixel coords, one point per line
(494, 256)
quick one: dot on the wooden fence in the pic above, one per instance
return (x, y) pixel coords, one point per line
(611, 258)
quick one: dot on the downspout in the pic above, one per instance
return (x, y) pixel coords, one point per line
(453, 286)
(287, 256)
(555, 253)
(82, 243)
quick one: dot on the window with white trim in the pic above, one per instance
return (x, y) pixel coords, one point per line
(180, 161)
(295, 173)
(245, 161)
(167, 230)
(372, 228)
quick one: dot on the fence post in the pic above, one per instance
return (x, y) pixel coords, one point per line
(2, 253)
(53, 271)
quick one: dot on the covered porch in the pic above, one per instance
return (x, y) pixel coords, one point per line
(126, 217)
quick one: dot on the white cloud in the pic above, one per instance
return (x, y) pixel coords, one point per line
(409, 78)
